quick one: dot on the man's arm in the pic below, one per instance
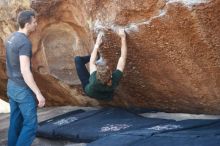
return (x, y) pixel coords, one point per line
(123, 57)
(29, 80)
(92, 65)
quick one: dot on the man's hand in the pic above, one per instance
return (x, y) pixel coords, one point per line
(121, 32)
(122, 59)
(99, 39)
(41, 100)
(29, 79)
(92, 62)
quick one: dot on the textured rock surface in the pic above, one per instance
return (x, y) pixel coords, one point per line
(173, 51)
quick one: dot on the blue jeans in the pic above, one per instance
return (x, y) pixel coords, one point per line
(82, 72)
(23, 115)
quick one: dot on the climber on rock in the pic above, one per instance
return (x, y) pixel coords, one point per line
(101, 82)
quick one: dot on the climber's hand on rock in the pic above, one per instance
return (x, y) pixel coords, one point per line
(99, 38)
(121, 32)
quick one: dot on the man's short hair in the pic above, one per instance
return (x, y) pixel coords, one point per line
(25, 17)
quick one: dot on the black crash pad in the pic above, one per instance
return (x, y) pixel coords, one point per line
(91, 125)
(119, 127)
(184, 133)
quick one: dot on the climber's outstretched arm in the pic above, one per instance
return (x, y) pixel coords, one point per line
(92, 65)
(123, 57)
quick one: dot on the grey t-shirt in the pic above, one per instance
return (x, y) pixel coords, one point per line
(17, 44)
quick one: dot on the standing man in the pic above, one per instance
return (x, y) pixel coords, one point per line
(21, 88)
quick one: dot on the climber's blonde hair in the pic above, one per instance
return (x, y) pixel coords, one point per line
(104, 74)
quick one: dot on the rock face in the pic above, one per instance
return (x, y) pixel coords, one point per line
(173, 51)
